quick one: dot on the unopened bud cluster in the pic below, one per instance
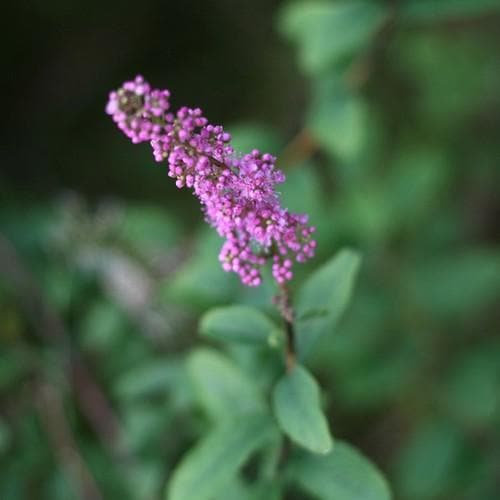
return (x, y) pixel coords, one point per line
(237, 192)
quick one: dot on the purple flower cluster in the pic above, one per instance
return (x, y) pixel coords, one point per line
(237, 192)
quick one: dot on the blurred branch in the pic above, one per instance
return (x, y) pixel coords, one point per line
(49, 326)
(51, 410)
(361, 68)
(299, 149)
(45, 322)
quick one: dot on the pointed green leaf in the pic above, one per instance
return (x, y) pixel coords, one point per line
(221, 387)
(208, 467)
(344, 474)
(323, 298)
(297, 407)
(239, 324)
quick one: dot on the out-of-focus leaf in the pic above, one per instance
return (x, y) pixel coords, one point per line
(368, 212)
(448, 94)
(5, 436)
(427, 466)
(331, 282)
(59, 484)
(102, 326)
(238, 489)
(165, 376)
(59, 286)
(377, 208)
(258, 364)
(235, 488)
(267, 490)
(148, 227)
(297, 406)
(323, 297)
(27, 226)
(338, 119)
(26, 430)
(362, 331)
(413, 189)
(150, 378)
(200, 281)
(342, 474)
(378, 378)
(246, 137)
(456, 284)
(14, 364)
(302, 192)
(443, 10)
(471, 389)
(328, 32)
(113, 481)
(205, 470)
(222, 389)
(240, 324)
(143, 423)
(145, 480)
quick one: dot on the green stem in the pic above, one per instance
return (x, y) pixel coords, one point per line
(290, 354)
(284, 304)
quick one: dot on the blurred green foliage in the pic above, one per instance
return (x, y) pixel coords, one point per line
(386, 117)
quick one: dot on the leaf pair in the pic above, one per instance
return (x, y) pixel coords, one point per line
(320, 303)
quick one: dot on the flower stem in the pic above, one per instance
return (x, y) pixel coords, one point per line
(283, 302)
(290, 352)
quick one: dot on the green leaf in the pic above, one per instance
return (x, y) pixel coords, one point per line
(471, 389)
(5, 436)
(442, 10)
(297, 406)
(102, 327)
(303, 192)
(240, 324)
(149, 378)
(428, 464)
(456, 284)
(160, 378)
(376, 380)
(344, 474)
(324, 297)
(235, 488)
(142, 424)
(15, 363)
(328, 32)
(148, 227)
(214, 461)
(221, 387)
(448, 94)
(200, 281)
(248, 136)
(267, 490)
(144, 478)
(338, 119)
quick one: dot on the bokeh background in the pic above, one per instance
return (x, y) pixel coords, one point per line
(386, 120)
